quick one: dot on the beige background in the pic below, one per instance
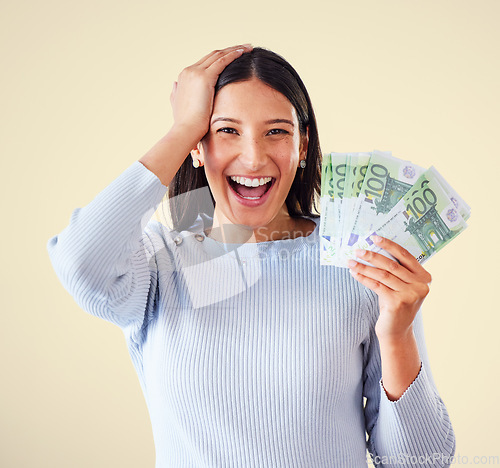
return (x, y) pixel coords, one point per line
(85, 92)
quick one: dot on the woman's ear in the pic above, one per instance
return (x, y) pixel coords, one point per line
(197, 155)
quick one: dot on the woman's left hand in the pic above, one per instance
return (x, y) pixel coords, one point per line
(401, 287)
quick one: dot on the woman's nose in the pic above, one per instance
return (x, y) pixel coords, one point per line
(253, 155)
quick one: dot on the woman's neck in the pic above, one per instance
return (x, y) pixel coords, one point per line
(283, 226)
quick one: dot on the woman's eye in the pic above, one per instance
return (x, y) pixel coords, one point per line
(278, 130)
(230, 130)
(227, 130)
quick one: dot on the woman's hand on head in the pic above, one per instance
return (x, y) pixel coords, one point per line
(192, 95)
(401, 287)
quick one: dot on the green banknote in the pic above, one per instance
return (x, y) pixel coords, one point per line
(457, 200)
(386, 180)
(357, 164)
(327, 218)
(339, 168)
(423, 221)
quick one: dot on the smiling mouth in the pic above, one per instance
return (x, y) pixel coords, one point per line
(250, 193)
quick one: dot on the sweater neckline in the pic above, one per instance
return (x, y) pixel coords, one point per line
(281, 246)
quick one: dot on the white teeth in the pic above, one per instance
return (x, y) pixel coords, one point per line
(251, 182)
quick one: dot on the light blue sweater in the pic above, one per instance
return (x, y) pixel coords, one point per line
(249, 356)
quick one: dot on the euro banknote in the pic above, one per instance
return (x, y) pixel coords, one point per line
(376, 193)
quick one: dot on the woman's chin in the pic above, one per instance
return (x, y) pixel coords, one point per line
(258, 220)
(249, 224)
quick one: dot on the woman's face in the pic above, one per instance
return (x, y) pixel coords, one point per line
(254, 140)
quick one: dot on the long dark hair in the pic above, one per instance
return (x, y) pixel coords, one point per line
(186, 202)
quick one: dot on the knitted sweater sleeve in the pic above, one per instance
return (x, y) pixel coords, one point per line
(416, 428)
(105, 258)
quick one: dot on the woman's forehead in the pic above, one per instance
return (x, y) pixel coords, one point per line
(252, 99)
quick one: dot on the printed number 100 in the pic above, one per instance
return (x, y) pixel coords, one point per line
(421, 204)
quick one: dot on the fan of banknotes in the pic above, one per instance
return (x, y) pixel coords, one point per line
(363, 194)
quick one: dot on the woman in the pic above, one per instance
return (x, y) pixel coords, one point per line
(249, 353)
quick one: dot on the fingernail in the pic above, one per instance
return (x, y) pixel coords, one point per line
(247, 45)
(375, 238)
(360, 253)
(351, 263)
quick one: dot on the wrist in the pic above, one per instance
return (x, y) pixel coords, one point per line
(189, 134)
(399, 339)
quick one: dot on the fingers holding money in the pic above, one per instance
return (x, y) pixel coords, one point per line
(384, 271)
(406, 259)
(379, 281)
(394, 275)
(401, 287)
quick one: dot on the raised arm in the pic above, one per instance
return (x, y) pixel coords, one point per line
(105, 257)
(192, 101)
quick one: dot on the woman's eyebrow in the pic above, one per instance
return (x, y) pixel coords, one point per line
(229, 119)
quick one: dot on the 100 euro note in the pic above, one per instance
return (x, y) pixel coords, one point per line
(339, 171)
(327, 219)
(386, 180)
(423, 221)
(458, 201)
(357, 164)
(342, 176)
